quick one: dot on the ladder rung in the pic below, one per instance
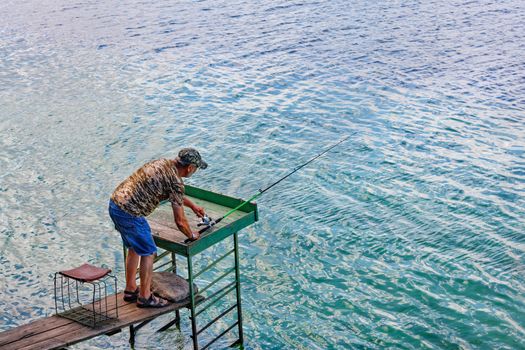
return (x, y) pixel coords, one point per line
(220, 335)
(161, 266)
(228, 289)
(217, 280)
(216, 318)
(213, 263)
(158, 257)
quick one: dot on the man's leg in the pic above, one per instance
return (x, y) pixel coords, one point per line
(132, 262)
(146, 269)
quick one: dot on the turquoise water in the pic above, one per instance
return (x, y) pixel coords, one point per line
(410, 235)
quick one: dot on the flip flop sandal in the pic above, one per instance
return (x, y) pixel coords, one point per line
(131, 297)
(151, 302)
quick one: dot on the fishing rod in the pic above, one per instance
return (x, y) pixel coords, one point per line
(209, 223)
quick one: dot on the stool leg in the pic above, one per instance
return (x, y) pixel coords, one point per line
(62, 291)
(116, 299)
(56, 304)
(106, 315)
(78, 297)
(68, 293)
(94, 311)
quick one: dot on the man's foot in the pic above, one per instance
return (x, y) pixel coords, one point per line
(152, 302)
(131, 297)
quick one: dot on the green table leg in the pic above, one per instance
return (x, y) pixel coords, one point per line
(192, 305)
(238, 287)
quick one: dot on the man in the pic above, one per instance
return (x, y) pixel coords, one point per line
(137, 197)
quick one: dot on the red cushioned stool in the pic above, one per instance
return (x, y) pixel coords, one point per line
(76, 295)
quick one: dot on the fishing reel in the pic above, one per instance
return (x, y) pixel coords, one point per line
(205, 221)
(208, 223)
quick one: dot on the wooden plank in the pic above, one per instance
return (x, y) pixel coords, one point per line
(43, 328)
(53, 343)
(31, 329)
(61, 332)
(69, 334)
(59, 338)
(163, 225)
(135, 316)
(167, 235)
(166, 232)
(49, 337)
(45, 324)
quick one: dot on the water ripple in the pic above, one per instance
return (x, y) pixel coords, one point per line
(409, 235)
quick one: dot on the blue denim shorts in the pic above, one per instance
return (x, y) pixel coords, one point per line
(134, 230)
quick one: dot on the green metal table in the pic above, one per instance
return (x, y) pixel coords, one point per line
(173, 242)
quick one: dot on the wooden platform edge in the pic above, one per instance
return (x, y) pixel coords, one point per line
(129, 314)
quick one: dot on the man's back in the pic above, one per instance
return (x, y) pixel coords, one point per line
(155, 181)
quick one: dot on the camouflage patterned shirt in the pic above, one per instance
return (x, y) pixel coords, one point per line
(152, 183)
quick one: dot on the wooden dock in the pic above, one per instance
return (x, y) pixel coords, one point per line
(56, 332)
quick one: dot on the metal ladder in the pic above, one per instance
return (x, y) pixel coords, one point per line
(199, 302)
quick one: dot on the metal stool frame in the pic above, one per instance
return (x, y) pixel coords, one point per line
(72, 308)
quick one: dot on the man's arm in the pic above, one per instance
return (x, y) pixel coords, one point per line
(182, 222)
(199, 211)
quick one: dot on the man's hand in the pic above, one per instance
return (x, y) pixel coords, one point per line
(198, 210)
(195, 235)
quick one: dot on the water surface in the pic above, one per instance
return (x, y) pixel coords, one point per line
(410, 235)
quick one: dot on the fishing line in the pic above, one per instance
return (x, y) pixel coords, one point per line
(209, 223)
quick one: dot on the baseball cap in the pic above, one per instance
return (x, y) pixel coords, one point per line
(192, 156)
